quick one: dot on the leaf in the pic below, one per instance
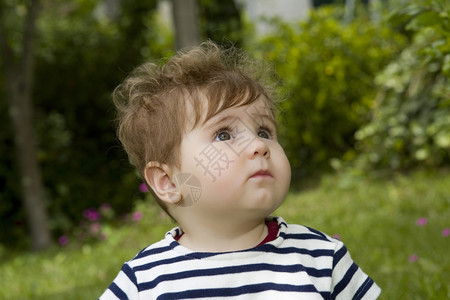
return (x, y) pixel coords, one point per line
(425, 19)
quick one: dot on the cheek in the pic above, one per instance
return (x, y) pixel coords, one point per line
(283, 166)
(287, 168)
(287, 173)
(220, 164)
(215, 177)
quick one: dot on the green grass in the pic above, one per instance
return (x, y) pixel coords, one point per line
(80, 271)
(375, 218)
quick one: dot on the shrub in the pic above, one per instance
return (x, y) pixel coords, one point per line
(327, 68)
(410, 117)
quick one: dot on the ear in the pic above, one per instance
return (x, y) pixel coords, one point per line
(159, 178)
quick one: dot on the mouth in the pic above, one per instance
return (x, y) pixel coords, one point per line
(262, 174)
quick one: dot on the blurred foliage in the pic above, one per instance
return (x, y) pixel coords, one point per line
(327, 69)
(387, 82)
(410, 117)
(221, 21)
(84, 49)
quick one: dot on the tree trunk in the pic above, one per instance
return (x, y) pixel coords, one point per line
(349, 10)
(19, 87)
(375, 9)
(185, 17)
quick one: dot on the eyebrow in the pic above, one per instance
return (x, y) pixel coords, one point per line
(213, 122)
(227, 118)
(267, 117)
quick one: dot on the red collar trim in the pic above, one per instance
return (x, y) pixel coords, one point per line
(272, 234)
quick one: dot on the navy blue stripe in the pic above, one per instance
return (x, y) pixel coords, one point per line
(235, 270)
(269, 248)
(293, 250)
(152, 251)
(363, 289)
(281, 223)
(344, 281)
(318, 272)
(197, 255)
(177, 232)
(242, 290)
(339, 255)
(306, 236)
(117, 291)
(282, 235)
(317, 232)
(157, 263)
(174, 244)
(130, 273)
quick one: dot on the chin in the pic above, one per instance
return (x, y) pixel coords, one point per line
(267, 203)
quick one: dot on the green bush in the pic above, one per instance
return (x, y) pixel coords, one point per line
(410, 117)
(327, 69)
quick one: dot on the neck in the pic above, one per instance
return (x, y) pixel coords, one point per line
(223, 238)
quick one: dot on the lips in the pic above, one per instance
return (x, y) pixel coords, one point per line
(262, 174)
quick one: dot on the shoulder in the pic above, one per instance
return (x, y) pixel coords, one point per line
(305, 236)
(347, 279)
(154, 252)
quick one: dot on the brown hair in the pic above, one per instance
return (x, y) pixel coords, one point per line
(151, 102)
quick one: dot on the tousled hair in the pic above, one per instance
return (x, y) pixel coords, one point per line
(151, 102)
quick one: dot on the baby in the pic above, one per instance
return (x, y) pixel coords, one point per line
(201, 130)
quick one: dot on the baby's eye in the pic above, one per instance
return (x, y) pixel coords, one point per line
(223, 134)
(264, 133)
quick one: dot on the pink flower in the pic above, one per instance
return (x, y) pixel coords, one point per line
(446, 232)
(95, 227)
(91, 214)
(413, 258)
(336, 236)
(63, 240)
(136, 216)
(421, 222)
(143, 188)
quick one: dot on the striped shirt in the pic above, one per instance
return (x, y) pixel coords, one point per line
(300, 263)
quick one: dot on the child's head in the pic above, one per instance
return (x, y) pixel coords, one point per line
(153, 102)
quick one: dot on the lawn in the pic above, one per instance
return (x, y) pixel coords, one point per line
(397, 230)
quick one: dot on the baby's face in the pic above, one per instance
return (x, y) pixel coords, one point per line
(235, 165)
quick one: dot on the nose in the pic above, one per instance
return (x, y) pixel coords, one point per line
(258, 147)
